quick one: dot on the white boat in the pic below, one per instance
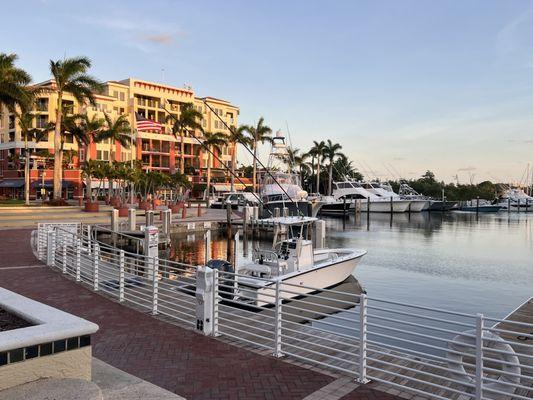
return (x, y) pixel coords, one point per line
(280, 188)
(416, 205)
(293, 263)
(419, 202)
(516, 199)
(369, 201)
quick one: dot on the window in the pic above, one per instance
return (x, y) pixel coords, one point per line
(42, 121)
(81, 154)
(121, 111)
(122, 96)
(102, 155)
(42, 104)
(11, 122)
(115, 94)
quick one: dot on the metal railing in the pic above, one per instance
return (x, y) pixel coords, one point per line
(429, 351)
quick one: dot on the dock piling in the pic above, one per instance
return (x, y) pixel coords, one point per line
(132, 219)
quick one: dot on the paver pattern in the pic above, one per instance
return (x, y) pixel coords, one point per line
(179, 360)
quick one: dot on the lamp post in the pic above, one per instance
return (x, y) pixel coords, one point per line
(26, 172)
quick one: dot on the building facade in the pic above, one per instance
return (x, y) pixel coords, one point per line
(158, 150)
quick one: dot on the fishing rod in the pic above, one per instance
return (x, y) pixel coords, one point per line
(214, 155)
(252, 153)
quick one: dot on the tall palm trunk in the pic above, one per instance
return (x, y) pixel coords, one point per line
(58, 159)
(318, 175)
(27, 175)
(254, 177)
(330, 177)
(233, 161)
(209, 174)
(182, 158)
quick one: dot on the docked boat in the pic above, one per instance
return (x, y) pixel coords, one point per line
(515, 199)
(294, 263)
(332, 206)
(416, 204)
(280, 188)
(408, 193)
(236, 200)
(482, 206)
(443, 205)
(370, 202)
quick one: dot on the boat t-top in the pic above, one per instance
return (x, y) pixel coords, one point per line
(293, 260)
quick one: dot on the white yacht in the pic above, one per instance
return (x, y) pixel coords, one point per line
(293, 260)
(281, 188)
(417, 204)
(516, 198)
(369, 201)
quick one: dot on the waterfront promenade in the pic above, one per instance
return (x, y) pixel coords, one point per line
(176, 359)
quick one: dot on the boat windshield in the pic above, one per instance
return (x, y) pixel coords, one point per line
(282, 179)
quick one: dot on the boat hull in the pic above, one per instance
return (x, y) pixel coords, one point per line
(307, 281)
(398, 206)
(442, 205)
(337, 208)
(295, 208)
(483, 209)
(418, 205)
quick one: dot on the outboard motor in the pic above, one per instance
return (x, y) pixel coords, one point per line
(227, 280)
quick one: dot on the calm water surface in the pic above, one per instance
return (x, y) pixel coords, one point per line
(452, 261)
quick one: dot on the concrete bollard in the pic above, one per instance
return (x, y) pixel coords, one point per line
(132, 219)
(285, 211)
(114, 220)
(166, 220)
(276, 212)
(199, 210)
(204, 300)
(184, 212)
(255, 211)
(149, 216)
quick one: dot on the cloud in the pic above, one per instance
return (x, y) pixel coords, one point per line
(466, 169)
(163, 38)
(141, 36)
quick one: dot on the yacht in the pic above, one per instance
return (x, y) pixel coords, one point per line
(293, 261)
(386, 191)
(516, 199)
(280, 188)
(370, 201)
(408, 193)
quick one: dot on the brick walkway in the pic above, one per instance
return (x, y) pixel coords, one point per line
(176, 359)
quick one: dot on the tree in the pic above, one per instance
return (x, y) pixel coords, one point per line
(258, 134)
(29, 133)
(298, 159)
(429, 177)
(188, 119)
(92, 127)
(331, 153)
(237, 135)
(70, 76)
(317, 152)
(212, 141)
(117, 131)
(14, 83)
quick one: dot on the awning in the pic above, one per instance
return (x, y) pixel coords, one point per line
(50, 184)
(225, 187)
(12, 183)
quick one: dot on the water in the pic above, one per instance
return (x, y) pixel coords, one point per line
(451, 261)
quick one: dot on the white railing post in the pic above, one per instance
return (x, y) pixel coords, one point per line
(277, 321)
(50, 247)
(479, 356)
(121, 276)
(215, 303)
(96, 264)
(362, 339)
(64, 263)
(155, 284)
(78, 260)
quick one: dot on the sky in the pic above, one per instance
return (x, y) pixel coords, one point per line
(404, 86)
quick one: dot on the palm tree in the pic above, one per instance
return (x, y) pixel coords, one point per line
(92, 127)
(299, 160)
(212, 141)
(188, 120)
(259, 133)
(70, 76)
(28, 132)
(331, 153)
(118, 131)
(13, 83)
(237, 135)
(317, 152)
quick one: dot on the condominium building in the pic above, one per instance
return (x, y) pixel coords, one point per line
(158, 149)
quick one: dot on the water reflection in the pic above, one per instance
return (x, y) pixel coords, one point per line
(454, 260)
